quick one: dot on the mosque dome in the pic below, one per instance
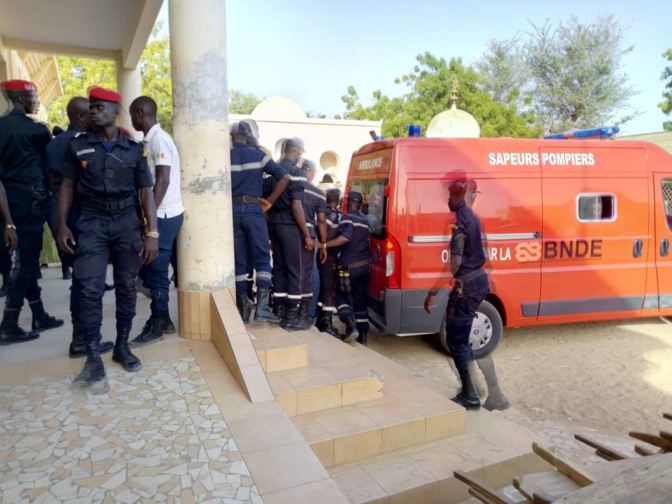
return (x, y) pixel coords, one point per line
(453, 123)
(279, 107)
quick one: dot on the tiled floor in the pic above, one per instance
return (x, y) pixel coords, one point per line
(158, 436)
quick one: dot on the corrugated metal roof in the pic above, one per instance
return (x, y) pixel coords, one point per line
(661, 138)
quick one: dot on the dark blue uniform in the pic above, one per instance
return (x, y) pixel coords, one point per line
(57, 151)
(470, 289)
(314, 202)
(354, 260)
(108, 176)
(288, 241)
(22, 154)
(250, 232)
(328, 269)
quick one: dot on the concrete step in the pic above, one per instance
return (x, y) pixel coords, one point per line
(492, 449)
(277, 350)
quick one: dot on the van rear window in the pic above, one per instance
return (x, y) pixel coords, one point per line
(375, 203)
(596, 207)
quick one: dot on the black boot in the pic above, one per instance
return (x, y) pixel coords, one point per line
(122, 353)
(468, 397)
(292, 322)
(78, 346)
(10, 332)
(304, 308)
(263, 313)
(93, 374)
(67, 272)
(349, 330)
(325, 324)
(280, 309)
(363, 339)
(6, 284)
(250, 294)
(42, 321)
(151, 333)
(167, 325)
(243, 305)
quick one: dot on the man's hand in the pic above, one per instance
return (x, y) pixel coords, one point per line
(11, 240)
(429, 301)
(150, 249)
(322, 255)
(310, 243)
(265, 204)
(65, 237)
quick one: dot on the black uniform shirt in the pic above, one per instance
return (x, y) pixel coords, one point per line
(107, 176)
(281, 211)
(57, 152)
(314, 201)
(354, 226)
(333, 219)
(247, 167)
(467, 241)
(22, 149)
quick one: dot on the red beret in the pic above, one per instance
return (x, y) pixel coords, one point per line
(102, 94)
(18, 85)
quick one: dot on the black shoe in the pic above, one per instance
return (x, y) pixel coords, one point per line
(468, 397)
(122, 353)
(46, 322)
(93, 375)
(292, 322)
(109, 287)
(67, 274)
(243, 305)
(78, 346)
(303, 313)
(167, 325)
(11, 333)
(349, 330)
(151, 333)
(263, 313)
(363, 339)
(325, 324)
(280, 310)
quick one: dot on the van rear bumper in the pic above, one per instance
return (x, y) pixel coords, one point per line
(402, 311)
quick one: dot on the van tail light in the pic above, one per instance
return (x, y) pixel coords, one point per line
(392, 263)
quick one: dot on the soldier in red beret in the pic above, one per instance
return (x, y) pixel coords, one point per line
(106, 170)
(22, 152)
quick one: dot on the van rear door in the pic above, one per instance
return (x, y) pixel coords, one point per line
(370, 175)
(663, 238)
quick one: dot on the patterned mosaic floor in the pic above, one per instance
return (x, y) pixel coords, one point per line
(157, 436)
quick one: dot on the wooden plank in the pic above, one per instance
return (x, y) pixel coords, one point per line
(492, 494)
(649, 482)
(666, 435)
(549, 483)
(644, 452)
(661, 443)
(542, 498)
(572, 472)
(599, 446)
(667, 416)
(481, 497)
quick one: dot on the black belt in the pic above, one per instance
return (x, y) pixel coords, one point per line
(24, 188)
(108, 206)
(246, 199)
(471, 275)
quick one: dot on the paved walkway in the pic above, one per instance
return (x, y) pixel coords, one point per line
(157, 436)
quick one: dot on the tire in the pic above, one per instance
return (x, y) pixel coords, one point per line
(486, 331)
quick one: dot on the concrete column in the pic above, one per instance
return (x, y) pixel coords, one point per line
(201, 131)
(129, 85)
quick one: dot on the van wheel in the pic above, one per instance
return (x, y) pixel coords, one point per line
(486, 331)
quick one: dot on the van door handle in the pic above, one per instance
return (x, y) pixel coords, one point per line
(664, 247)
(376, 251)
(637, 248)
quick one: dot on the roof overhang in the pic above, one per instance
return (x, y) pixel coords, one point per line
(92, 29)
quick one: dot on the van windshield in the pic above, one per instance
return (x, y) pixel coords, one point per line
(374, 205)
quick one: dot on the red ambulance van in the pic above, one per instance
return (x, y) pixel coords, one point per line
(576, 230)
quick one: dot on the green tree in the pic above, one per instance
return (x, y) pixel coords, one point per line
(503, 72)
(576, 73)
(666, 106)
(156, 79)
(430, 88)
(242, 103)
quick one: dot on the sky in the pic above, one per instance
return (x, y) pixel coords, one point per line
(312, 50)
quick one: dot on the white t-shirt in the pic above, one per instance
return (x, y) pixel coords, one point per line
(162, 151)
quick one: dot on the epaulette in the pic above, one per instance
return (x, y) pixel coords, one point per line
(80, 133)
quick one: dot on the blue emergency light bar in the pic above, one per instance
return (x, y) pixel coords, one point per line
(602, 133)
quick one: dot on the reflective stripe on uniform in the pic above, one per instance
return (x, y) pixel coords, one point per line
(264, 274)
(241, 278)
(257, 165)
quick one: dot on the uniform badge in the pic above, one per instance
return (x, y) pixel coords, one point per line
(85, 151)
(84, 163)
(144, 152)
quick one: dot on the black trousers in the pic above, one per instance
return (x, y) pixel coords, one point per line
(103, 235)
(307, 267)
(328, 282)
(353, 304)
(460, 314)
(288, 263)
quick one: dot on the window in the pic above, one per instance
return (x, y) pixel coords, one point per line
(596, 208)
(374, 204)
(666, 187)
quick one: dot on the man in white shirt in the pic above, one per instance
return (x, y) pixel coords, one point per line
(164, 163)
